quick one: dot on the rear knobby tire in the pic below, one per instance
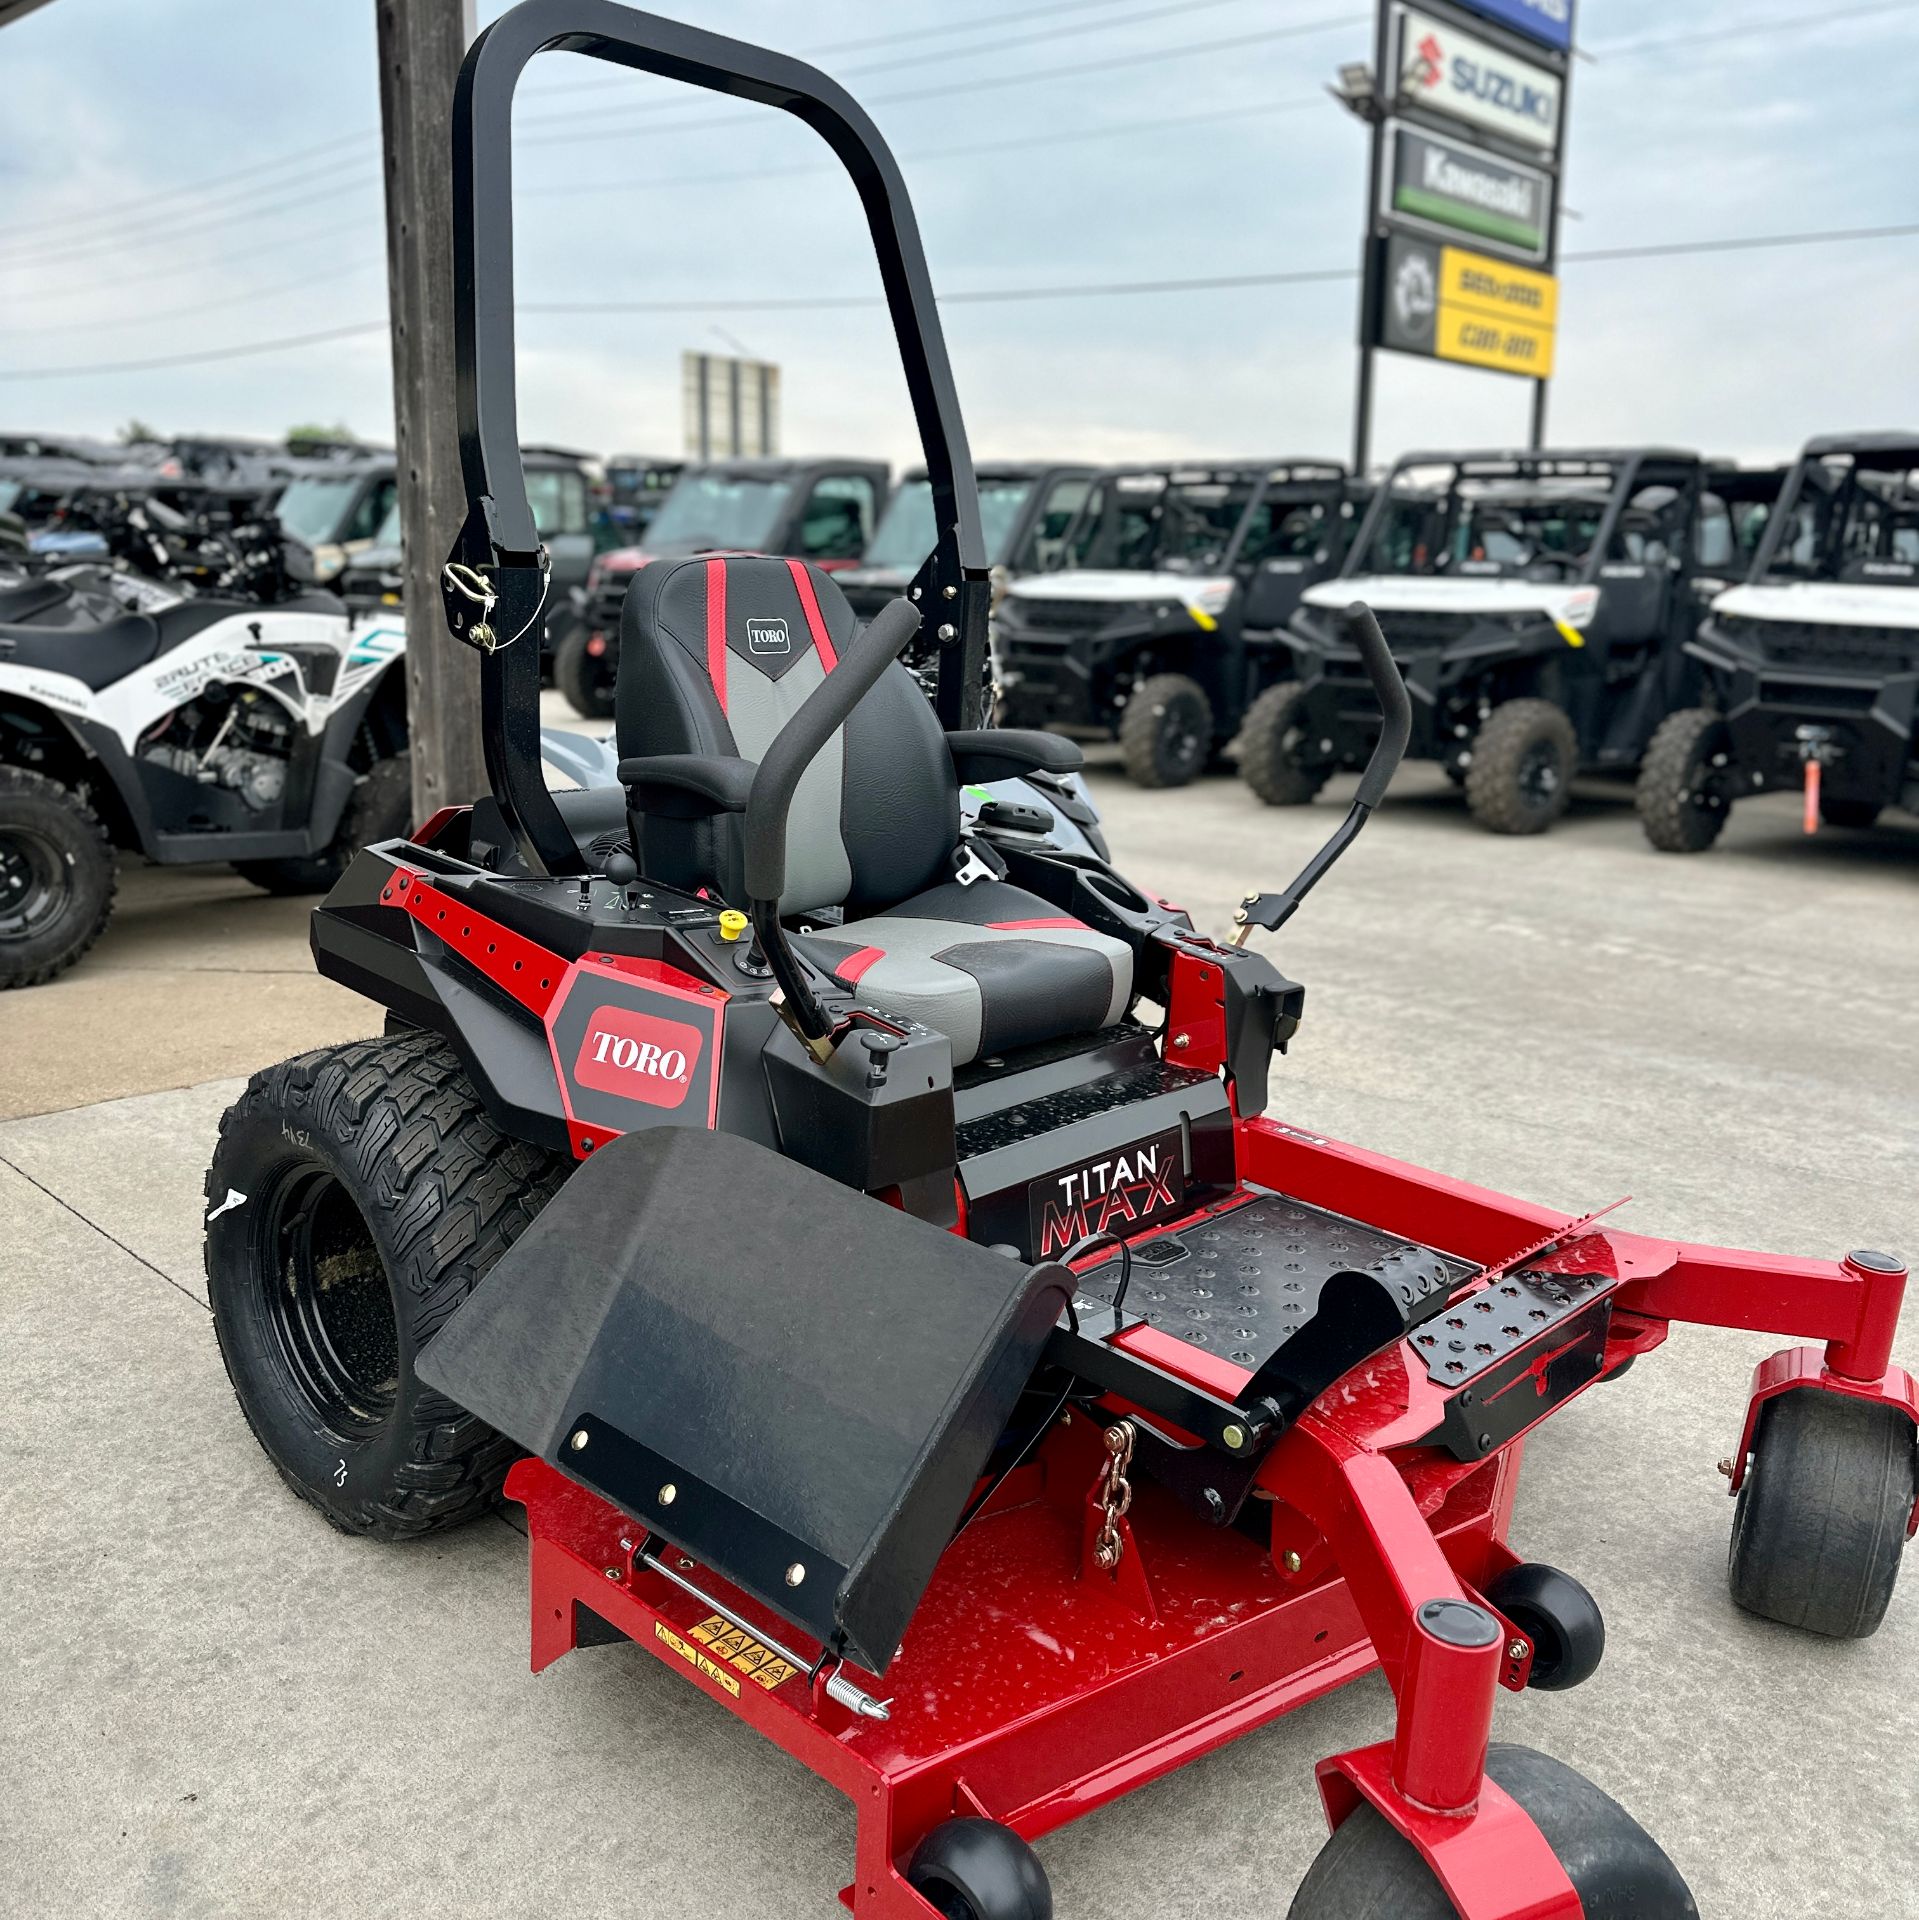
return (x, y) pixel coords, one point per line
(380, 807)
(1822, 1515)
(586, 679)
(1367, 1871)
(1685, 782)
(57, 877)
(375, 1195)
(1166, 731)
(1271, 744)
(1519, 779)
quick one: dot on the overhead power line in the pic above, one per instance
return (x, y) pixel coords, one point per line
(1749, 29)
(1209, 283)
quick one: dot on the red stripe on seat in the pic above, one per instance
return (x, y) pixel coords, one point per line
(1064, 920)
(716, 629)
(810, 606)
(856, 964)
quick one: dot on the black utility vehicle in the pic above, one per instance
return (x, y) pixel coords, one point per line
(1025, 508)
(822, 510)
(1169, 612)
(1811, 668)
(1538, 604)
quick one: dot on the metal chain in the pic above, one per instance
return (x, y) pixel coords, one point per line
(1115, 1495)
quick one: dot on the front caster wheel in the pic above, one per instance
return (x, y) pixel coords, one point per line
(1367, 1871)
(1559, 1617)
(980, 1870)
(1823, 1512)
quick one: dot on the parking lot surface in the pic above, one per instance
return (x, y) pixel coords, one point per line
(216, 1706)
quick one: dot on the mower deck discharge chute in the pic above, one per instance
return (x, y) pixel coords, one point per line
(929, 1345)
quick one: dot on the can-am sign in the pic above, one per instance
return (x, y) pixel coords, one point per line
(1547, 21)
(1442, 70)
(1448, 188)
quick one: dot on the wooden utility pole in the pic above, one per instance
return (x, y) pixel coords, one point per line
(421, 45)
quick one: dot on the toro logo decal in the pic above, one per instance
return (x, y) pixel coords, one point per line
(638, 1056)
(768, 636)
(1139, 1184)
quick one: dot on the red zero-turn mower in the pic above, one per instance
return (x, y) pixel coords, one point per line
(959, 1378)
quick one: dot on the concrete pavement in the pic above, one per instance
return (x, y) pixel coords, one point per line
(215, 1706)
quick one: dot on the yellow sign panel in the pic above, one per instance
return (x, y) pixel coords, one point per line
(1492, 314)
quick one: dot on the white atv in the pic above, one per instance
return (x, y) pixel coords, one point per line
(209, 706)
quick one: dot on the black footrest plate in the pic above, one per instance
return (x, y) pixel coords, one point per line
(1240, 1283)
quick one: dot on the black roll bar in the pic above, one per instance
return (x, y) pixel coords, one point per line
(501, 598)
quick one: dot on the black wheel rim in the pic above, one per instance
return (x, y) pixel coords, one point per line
(330, 1306)
(33, 883)
(1540, 774)
(1182, 745)
(1706, 796)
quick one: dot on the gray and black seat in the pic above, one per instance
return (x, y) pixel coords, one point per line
(717, 653)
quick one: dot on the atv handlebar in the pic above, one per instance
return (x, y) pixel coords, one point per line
(796, 746)
(1273, 910)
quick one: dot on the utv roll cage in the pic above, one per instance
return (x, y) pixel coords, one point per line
(1269, 477)
(495, 584)
(1817, 467)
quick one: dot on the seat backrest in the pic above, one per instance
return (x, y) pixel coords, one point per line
(717, 653)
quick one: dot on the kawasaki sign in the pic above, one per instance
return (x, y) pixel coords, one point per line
(1446, 188)
(1442, 70)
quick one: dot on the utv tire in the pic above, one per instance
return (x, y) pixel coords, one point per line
(379, 808)
(1366, 1871)
(1166, 732)
(1685, 786)
(57, 877)
(357, 1196)
(1520, 776)
(1270, 761)
(1856, 815)
(1822, 1514)
(587, 679)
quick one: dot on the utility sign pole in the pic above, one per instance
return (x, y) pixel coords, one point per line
(422, 43)
(1466, 101)
(731, 406)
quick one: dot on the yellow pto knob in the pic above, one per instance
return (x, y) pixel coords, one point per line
(732, 924)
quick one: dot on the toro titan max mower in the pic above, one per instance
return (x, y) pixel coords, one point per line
(960, 1377)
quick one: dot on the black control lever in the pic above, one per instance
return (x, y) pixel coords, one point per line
(1273, 910)
(794, 749)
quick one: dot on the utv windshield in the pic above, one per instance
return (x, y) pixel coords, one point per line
(1160, 523)
(312, 509)
(1851, 523)
(1486, 528)
(906, 534)
(708, 510)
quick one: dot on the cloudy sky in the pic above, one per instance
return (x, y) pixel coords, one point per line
(190, 177)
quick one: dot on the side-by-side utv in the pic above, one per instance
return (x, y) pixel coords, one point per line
(882, 1260)
(1169, 612)
(1538, 605)
(1811, 667)
(1025, 509)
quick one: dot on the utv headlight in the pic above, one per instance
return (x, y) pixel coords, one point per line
(1576, 616)
(1208, 600)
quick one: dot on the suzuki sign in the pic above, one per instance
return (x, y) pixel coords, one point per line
(1442, 70)
(1550, 22)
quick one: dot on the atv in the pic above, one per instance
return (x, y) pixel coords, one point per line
(821, 510)
(1026, 510)
(1811, 668)
(1538, 605)
(195, 701)
(867, 1250)
(1168, 616)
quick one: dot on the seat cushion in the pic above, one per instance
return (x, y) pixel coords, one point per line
(990, 966)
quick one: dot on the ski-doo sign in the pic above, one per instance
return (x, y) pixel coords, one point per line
(1445, 71)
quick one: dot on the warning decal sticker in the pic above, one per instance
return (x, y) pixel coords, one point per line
(760, 1664)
